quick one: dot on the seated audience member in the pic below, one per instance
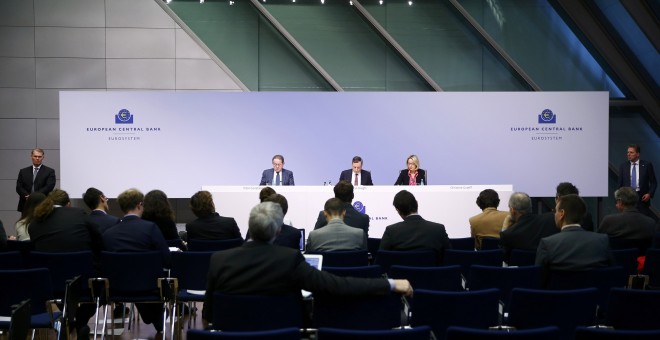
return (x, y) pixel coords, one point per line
(629, 223)
(414, 232)
(58, 227)
(289, 236)
(522, 229)
(567, 188)
(573, 249)
(356, 175)
(98, 204)
(209, 225)
(413, 175)
(344, 191)
(133, 234)
(259, 268)
(336, 235)
(27, 215)
(265, 192)
(157, 209)
(489, 222)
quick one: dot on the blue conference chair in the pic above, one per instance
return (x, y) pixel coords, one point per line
(489, 243)
(63, 267)
(344, 258)
(417, 333)
(11, 260)
(357, 312)
(213, 245)
(590, 333)
(373, 271)
(430, 278)
(467, 258)
(521, 257)
(240, 313)
(633, 309)
(463, 333)
(275, 334)
(462, 243)
(626, 258)
(652, 267)
(413, 258)
(20, 321)
(505, 279)
(190, 268)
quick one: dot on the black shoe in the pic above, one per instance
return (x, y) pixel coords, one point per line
(83, 332)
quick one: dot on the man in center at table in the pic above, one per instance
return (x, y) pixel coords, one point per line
(277, 175)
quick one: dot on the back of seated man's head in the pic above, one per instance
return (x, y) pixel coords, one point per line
(573, 207)
(405, 203)
(265, 192)
(521, 203)
(344, 191)
(201, 204)
(488, 199)
(334, 207)
(130, 199)
(567, 188)
(279, 199)
(265, 221)
(92, 198)
(627, 196)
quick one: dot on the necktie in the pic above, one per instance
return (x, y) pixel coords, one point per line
(277, 179)
(34, 176)
(633, 177)
(356, 180)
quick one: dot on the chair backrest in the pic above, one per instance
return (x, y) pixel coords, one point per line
(488, 243)
(417, 333)
(344, 258)
(71, 299)
(467, 258)
(566, 309)
(19, 285)
(590, 333)
(213, 245)
(413, 258)
(521, 257)
(633, 309)
(652, 266)
(24, 247)
(431, 278)
(626, 258)
(373, 271)
(505, 279)
(462, 243)
(132, 273)
(478, 309)
(177, 242)
(373, 244)
(357, 312)
(602, 279)
(622, 243)
(190, 268)
(63, 267)
(20, 321)
(464, 333)
(11, 260)
(275, 334)
(256, 312)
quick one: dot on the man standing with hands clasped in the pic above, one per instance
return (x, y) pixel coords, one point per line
(639, 175)
(36, 177)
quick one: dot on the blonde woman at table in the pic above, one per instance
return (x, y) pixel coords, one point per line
(413, 175)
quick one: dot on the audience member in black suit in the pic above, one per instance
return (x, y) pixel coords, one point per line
(289, 236)
(3, 237)
(344, 191)
(133, 234)
(414, 232)
(209, 225)
(98, 204)
(573, 249)
(27, 215)
(522, 229)
(413, 175)
(58, 227)
(265, 192)
(259, 268)
(157, 209)
(645, 181)
(28, 182)
(567, 188)
(356, 175)
(629, 223)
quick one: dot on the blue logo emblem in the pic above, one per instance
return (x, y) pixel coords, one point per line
(123, 117)
(547, 117)
(360, 207)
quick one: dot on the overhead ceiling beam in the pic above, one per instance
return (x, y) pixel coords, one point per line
(646, 20)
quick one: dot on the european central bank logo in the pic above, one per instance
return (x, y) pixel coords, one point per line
(360, 207)
(123, 117)
(547, 117)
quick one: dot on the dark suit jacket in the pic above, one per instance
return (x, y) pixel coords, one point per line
(347, 175)
(167, 226)
(574, 249)
(133, 234)
(102, 220)
(288, 237)
(352, 218)
(404, 179)
(527, 232)
(44, 183)
(258, 268)
(65, 229)
(267, 177)
(416, 233)
(647, 181)
(629, 224)
(213, 227)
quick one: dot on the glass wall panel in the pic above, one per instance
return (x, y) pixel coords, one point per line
(537, 38)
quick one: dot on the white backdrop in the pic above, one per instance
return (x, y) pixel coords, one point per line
(179, 141)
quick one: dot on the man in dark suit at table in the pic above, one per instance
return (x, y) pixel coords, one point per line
(259, 268)
(414, 232)
(356, 175)
(209, 225)
(133, 234)
(36, 177)
(98, 204)
(344, 191)
(639, 175)
(277, 175)
(573, 249)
